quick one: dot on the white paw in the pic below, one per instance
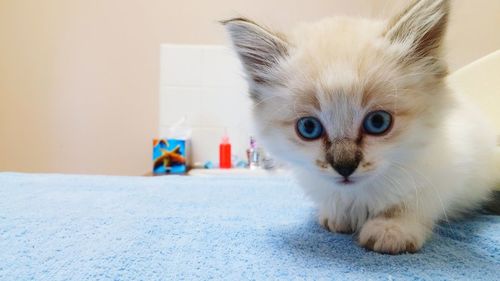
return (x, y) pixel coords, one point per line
(390, 236)
(334, 225)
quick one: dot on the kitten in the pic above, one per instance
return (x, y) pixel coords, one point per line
(361, 110)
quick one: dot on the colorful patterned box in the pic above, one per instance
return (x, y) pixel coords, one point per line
(170, 156)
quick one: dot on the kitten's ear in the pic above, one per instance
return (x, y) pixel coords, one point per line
(259, 49)
(421, 26)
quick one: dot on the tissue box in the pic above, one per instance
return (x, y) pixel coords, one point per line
(170, 156)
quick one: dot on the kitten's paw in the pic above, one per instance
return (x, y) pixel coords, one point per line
(389, 236)
(335, 226)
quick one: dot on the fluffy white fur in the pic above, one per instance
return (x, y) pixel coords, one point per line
(435, 163)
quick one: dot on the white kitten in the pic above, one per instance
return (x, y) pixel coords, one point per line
(362, 112)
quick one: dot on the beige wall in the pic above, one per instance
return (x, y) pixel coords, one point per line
(79, 79)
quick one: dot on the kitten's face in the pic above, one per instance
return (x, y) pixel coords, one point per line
(343, 98)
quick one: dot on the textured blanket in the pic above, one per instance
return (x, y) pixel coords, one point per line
(66, 227)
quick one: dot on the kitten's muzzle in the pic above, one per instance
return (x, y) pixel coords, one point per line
(344, 156)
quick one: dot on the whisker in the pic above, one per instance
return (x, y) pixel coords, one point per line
(417, 198)
(431, 185)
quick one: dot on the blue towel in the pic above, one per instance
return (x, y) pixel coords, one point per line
(68, 227)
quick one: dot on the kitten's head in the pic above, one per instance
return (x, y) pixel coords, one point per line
(346, 98)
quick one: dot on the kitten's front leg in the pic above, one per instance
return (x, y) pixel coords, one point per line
(331, 222)
(394, 234)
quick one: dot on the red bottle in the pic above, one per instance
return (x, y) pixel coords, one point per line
(225, 153)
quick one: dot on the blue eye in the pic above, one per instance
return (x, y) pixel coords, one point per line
(377, 122)
(309, 128)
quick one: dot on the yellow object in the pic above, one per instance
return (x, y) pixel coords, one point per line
(481, 81)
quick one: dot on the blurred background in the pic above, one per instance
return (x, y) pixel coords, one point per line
(79, 79)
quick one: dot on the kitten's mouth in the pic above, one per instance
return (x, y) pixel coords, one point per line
(345, 181)
(355, 180)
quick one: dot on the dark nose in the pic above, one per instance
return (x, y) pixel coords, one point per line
(344, 156)
(346, 169)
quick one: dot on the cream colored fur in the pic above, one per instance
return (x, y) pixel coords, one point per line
(434, 164)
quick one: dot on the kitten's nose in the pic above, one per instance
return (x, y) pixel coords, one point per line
(346, 169)
(344, 156)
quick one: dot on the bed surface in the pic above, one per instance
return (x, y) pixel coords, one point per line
(66, 227)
